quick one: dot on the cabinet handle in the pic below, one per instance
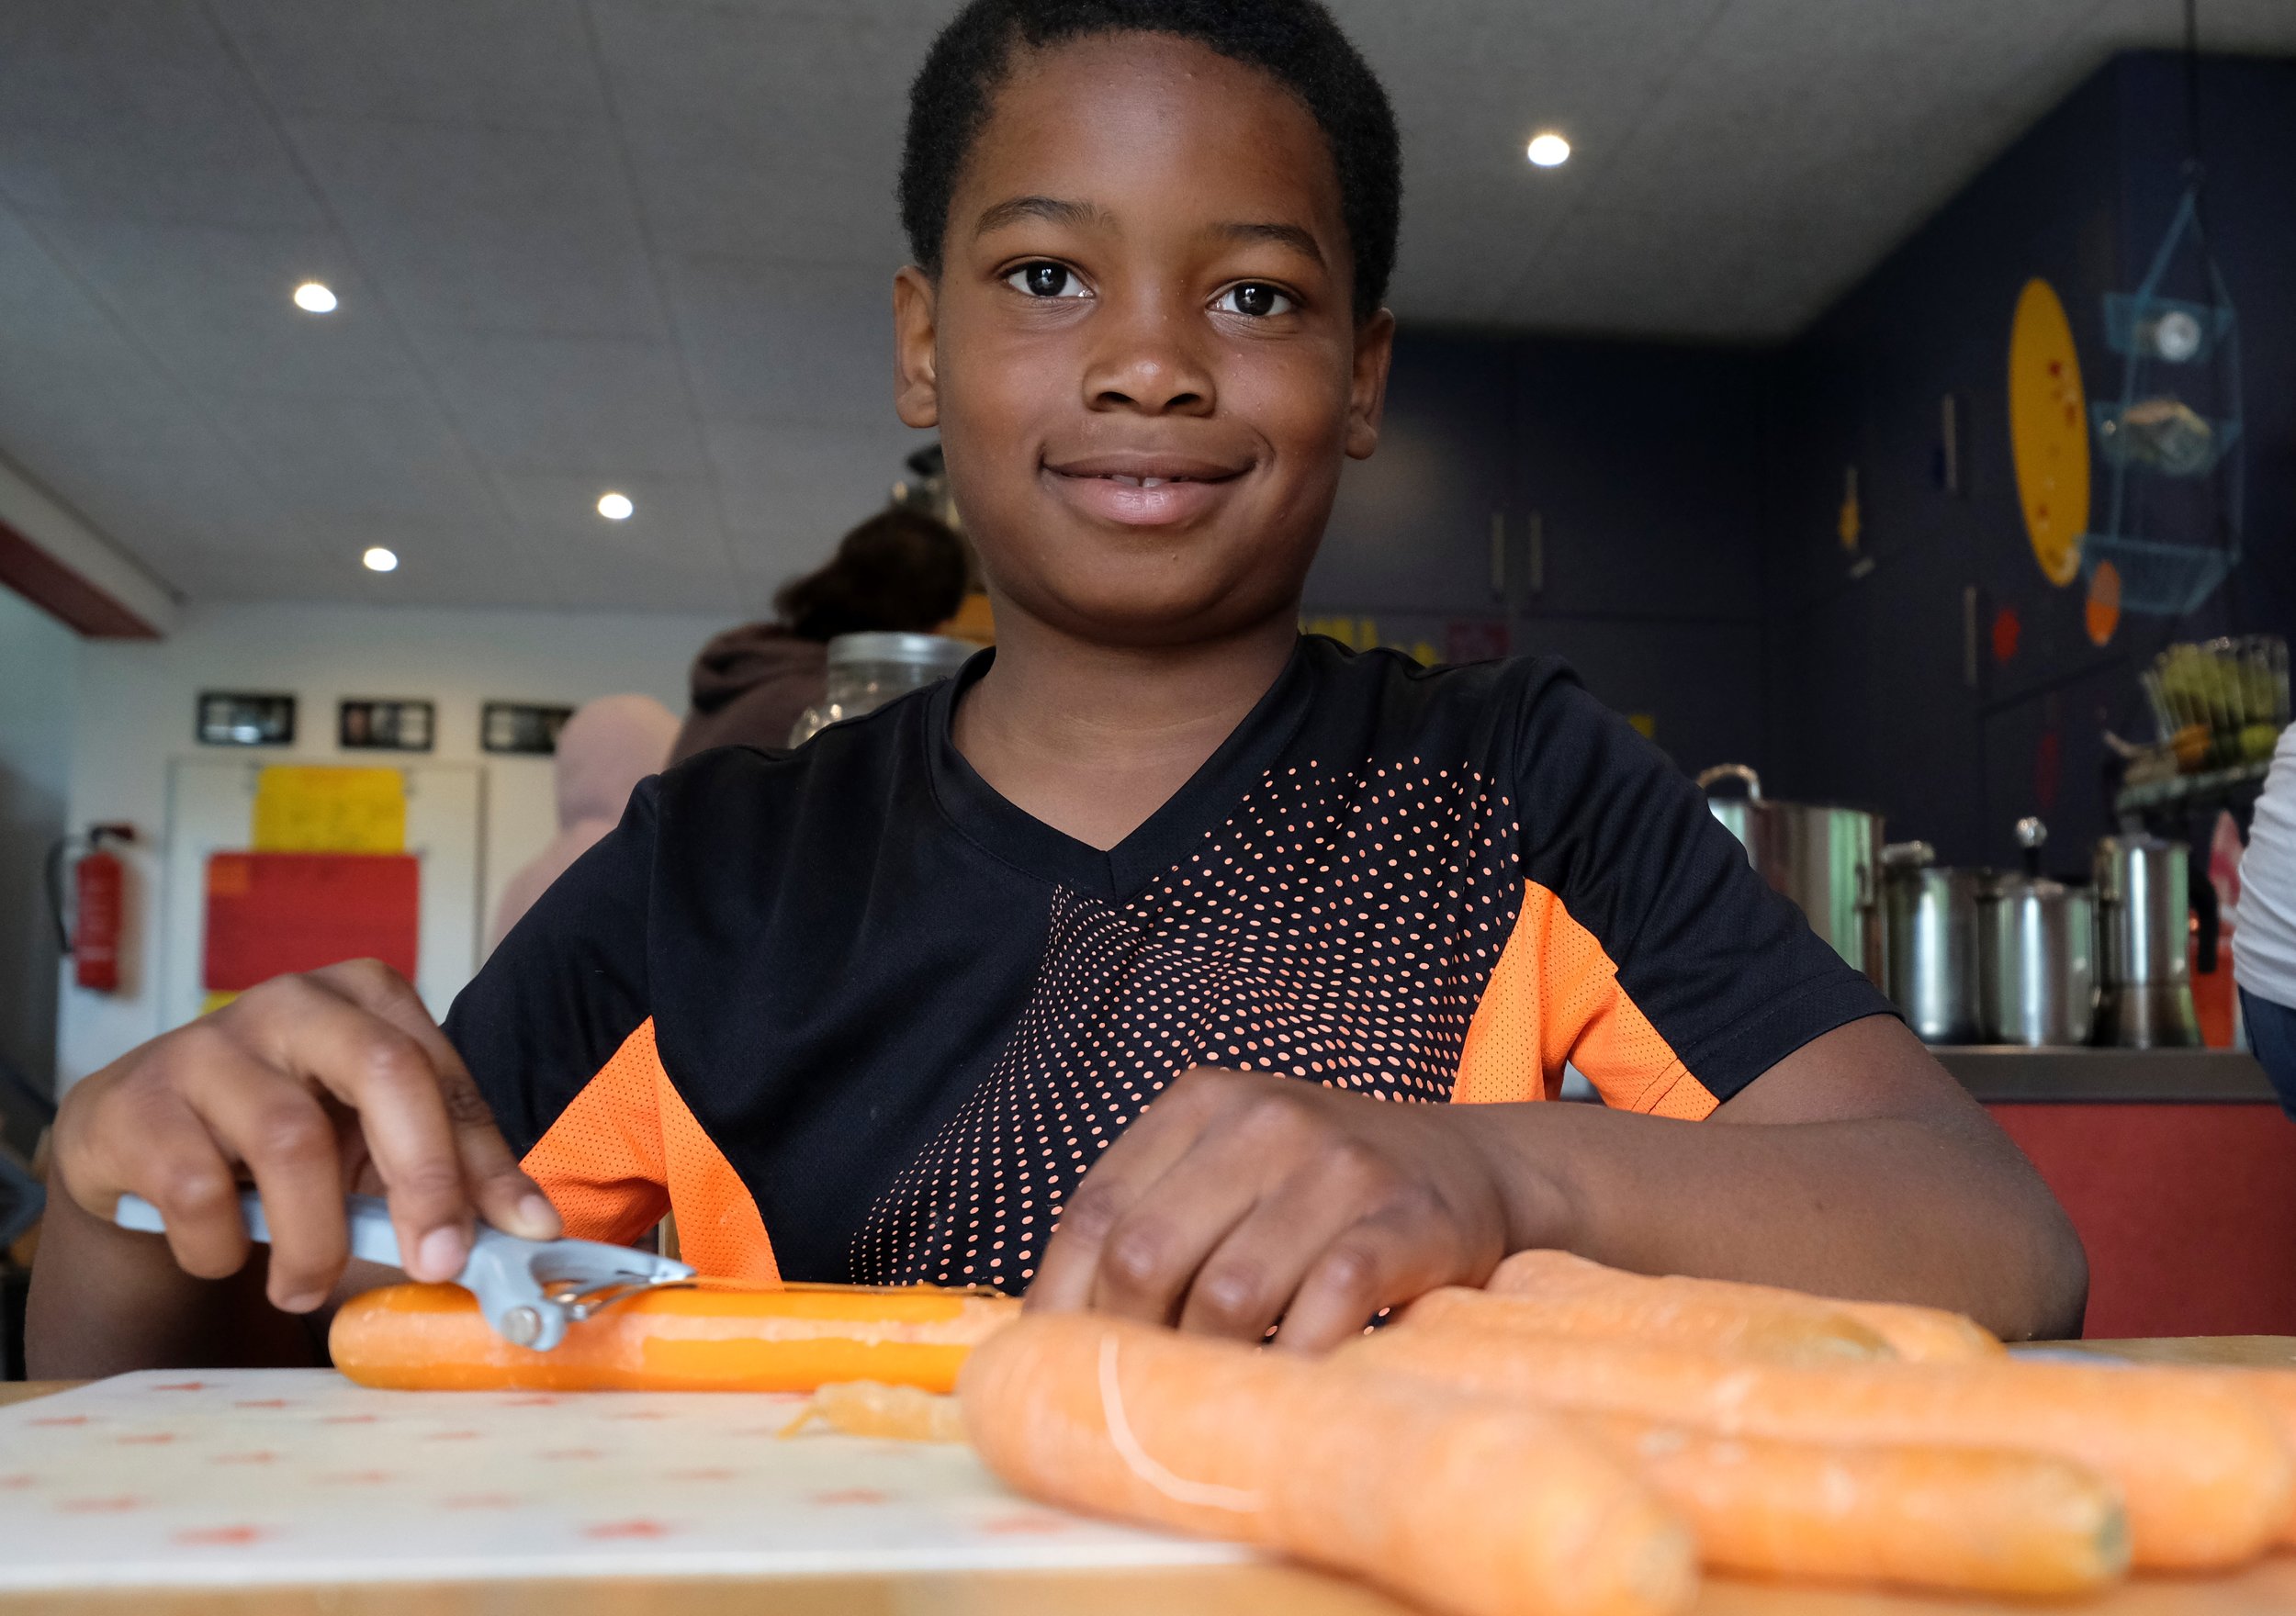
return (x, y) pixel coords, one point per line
(1538, 553)
(1969, 635)
(1497, 555)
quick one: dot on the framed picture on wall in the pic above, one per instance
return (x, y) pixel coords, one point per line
(366, 726)
(239, 718)
(519, 727)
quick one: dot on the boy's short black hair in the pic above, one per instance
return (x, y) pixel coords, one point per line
(1293, 41)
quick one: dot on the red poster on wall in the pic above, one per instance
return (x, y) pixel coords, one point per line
(273, 912)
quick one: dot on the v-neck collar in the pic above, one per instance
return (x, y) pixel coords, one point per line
(1206, 801)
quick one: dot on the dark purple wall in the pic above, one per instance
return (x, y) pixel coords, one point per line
(1691, 496)
(1642, 464)
(1866, 693)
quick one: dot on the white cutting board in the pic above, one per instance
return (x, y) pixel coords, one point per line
(296, 1475)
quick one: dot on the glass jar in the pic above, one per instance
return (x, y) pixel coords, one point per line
(867, 671)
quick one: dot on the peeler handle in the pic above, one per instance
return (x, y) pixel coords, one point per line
(372, 1238)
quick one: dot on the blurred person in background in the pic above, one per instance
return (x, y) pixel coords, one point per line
(2264, 955)
(603, 751)
(900, 572)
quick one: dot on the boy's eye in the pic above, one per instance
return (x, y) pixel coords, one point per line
(1253, 298)
(1046, 280)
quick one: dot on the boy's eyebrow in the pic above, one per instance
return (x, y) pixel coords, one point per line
(1052, 209)
(1281, 235)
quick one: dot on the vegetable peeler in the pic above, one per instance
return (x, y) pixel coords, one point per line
(528, 1290)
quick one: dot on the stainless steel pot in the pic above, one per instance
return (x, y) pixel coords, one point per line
(2144, 919)
(1929, 930)
(1823, 857)
(2036, 954)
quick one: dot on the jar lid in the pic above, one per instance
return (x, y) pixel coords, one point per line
(932, 653)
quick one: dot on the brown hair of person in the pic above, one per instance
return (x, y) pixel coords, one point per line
(900, 571)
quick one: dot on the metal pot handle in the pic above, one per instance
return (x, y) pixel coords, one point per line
(1737, 771)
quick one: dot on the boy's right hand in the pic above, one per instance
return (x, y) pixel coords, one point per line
(308, 1085)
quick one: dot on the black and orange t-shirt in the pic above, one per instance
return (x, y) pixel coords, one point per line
(854, 1016)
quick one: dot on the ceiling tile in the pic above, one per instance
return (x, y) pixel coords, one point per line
(368, 457)
(516, 63)
(606, 406)
(136, 111)
(87, 434)
(213, 307)
(790, 489)
(44, 308)
(489, 228)
(774, 133)
(675, 517)
(789, 341)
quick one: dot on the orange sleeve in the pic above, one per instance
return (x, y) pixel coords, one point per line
(628, 1149)
(1554, 998)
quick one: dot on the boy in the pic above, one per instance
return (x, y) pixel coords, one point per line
(871, 1010)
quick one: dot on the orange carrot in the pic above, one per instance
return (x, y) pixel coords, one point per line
(1662, 1311)
(1465, 1505)
(1581, 1297)
(2275, 1389)
(1962, 1519)
(432, 1337)
(2201, 1465)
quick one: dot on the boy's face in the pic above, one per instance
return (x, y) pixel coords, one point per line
(1142, 352)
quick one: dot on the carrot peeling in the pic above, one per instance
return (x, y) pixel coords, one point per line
(1463, 1505)
(872, 1408)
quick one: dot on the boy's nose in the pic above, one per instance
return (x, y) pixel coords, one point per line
(1146, 363)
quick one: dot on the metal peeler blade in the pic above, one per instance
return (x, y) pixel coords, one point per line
(528, 1290)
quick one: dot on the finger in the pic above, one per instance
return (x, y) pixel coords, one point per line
(284, 1135)
(1377, 1263)
(1066, 1275)
(1151, 1254)
(303, 1027)
(1248, 1281)
(504, 1195)
(147, 1142)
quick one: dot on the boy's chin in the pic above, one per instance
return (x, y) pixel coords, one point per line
(1163, 613)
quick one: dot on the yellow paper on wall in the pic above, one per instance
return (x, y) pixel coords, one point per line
(302, 808)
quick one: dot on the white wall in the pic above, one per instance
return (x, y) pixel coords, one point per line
(39, 664)
(135, 711)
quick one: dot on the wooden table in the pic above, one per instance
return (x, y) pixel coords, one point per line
(2267, 1589)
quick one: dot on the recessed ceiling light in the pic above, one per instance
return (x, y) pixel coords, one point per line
(616, 506)
(380, 560)
(314, 297)
(1549, 150)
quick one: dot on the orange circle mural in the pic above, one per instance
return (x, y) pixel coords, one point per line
(2103, 612)
(2048, 431)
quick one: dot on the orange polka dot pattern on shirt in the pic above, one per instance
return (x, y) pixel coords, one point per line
(1338, 928)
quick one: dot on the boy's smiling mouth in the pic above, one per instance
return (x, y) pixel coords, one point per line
(1141, 489)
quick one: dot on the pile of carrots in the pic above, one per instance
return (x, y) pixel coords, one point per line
(1577, 1440)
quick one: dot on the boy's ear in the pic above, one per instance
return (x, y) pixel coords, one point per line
(915, 385)
(1366, 391)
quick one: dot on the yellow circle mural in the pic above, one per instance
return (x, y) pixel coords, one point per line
(2048, 431)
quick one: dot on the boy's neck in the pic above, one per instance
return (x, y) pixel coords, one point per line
(1092, 739)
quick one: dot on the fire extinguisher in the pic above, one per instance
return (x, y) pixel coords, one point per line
(98, 910)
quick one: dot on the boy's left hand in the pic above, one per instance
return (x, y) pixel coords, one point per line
(1238, 1199)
